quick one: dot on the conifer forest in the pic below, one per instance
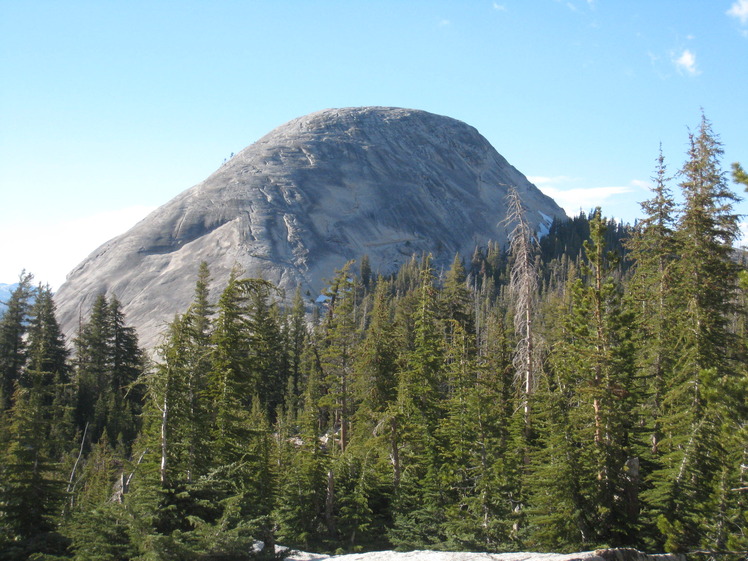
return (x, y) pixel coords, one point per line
(583, 390)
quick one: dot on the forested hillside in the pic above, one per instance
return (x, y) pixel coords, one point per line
(587, 390)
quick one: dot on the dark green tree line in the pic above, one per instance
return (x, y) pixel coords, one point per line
(586, 392)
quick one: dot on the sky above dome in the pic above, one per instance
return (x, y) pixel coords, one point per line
(110, 109)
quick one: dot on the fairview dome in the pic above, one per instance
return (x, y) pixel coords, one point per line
(297, 204)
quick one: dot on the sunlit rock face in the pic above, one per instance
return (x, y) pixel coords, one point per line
(304, 199)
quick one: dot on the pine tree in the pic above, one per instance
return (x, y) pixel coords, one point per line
(419, 509)
(99, 526)
(376, 362)
(739, 175)
(419, 386)
(197, 362)
(706, 231)
(13, 327)
(169, 403)
(475, 463)
(108, 365)
(296, 337)
(455, 299)
(31, 489)
(230, 385)
(589, 425)
(337, 353)
(47, 373)
(267, 357)
(365, 273)
(36, 438)
(652, 249)
(127, 364)
(700, 411)
(92, 366)
(300, 507)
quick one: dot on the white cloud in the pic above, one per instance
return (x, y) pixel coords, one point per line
(50, 249)
(574, 199)
(445, 23)
(686, 62)
(499, 7)
(641, 183)
(542, 180)
(743, 239)
(739, 10)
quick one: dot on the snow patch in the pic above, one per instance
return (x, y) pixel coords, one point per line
(545, 226)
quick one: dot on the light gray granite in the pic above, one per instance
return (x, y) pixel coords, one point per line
(297, 204)
(597, 555)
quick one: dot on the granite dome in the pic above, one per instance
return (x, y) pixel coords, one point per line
(301, 201)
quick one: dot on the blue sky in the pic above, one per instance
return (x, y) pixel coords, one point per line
(109, 109)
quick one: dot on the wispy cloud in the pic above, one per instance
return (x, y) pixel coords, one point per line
(445, 23)
(540, 180)
(573, 199)
(743, 240)
(686, 63)
(499, 7)
(574, 5)
(739, 10)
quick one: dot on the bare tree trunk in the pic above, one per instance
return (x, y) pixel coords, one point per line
(344, 414)
(330, 502)
(395, 455)
(77, 460)
(164, 442)
(71, 485)
(523, 286)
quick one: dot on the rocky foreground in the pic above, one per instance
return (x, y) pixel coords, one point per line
(597, 555)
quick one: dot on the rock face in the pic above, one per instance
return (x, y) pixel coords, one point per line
(300, 202)
(597, 555)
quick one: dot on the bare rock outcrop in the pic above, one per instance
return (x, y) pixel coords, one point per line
(624, 554)
(301, 201)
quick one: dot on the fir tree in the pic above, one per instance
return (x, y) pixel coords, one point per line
(651, 291)
(419, 510)
(455, 299)
(739, 175)
(376, 361)
(337, 353)
(230, 385)
(108, 364)
(592, 406)
(300, 508)
(47, 373)
(31, 489)
(700, 415)
(13, 328)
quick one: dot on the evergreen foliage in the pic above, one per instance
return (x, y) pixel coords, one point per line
(13, 327)
(412, 411)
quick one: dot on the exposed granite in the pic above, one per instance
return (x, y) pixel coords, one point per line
(301, 201)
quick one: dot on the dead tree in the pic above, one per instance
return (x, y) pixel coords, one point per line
(523, 287)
